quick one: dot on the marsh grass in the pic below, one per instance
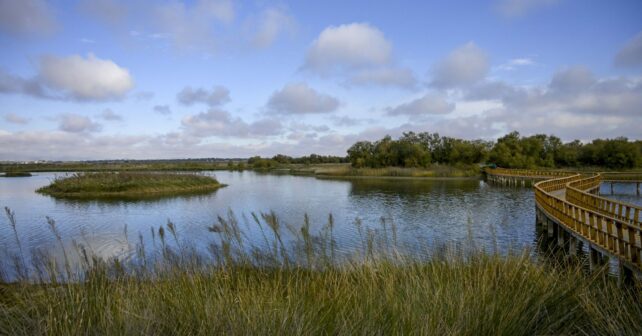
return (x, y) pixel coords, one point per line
(295, 281)
(109, 184)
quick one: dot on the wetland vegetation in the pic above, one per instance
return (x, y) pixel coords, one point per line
(128, 184)
(16, 174)
(308, 287)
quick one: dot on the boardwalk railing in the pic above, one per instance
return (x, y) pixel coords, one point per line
(608, 225)
(578, 192)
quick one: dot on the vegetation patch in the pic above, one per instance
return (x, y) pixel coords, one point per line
(128, 184)
(16, 174)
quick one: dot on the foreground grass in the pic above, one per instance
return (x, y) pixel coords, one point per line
(128, 184)
(478, 295)
(306, 288)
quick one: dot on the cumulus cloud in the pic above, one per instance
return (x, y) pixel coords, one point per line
(429, 104)
(15, 119)
(517, 8)
(465, 65)
(631, 53)
(272, 23)
(27, 17)
(299, 98)
(162, 109)
(217, 96)
(574, 104)
(109, 115)
(359, 53)
(220, 123)
(75, 123)
(89, 78)
(348, 46)
(71, 78)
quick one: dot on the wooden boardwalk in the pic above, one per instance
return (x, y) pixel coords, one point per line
(568, 205)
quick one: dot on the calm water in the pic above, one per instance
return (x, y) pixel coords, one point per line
(423, 211)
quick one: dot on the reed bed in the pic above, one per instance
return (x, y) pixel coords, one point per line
(297, 282)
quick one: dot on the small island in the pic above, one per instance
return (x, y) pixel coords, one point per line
(16, 174)
(129, 185)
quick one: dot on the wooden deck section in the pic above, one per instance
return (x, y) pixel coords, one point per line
(567, 203)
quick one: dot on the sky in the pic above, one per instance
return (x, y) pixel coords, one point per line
(142, 79)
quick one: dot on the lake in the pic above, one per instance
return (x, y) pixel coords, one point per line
(423, 212)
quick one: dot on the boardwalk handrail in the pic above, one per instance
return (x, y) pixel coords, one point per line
(578, 192)
(595, 223)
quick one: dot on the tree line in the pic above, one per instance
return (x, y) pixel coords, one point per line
(510, 151)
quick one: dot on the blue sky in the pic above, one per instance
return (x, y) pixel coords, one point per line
(217, 78)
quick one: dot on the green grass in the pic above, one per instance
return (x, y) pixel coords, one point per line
(251, 288)
(478, 295)
(113, 184)
(16, 174)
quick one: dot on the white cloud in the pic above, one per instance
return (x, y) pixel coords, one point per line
(74, 123)
(575, 104)
(299, 98)
(162, 109)
(220, 123)
(217, 96)
(429, 104)
(89, 78)
(71, 78)
(272, 22)
(109, 115)
(27, 17)
(517, 8)
(631, 53)
(348, 46)
(463, 66)
(15, 119)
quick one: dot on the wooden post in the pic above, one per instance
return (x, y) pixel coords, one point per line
(595, 259)
(611, 188)
(572, 245)
(626, 275)
(560, 236)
